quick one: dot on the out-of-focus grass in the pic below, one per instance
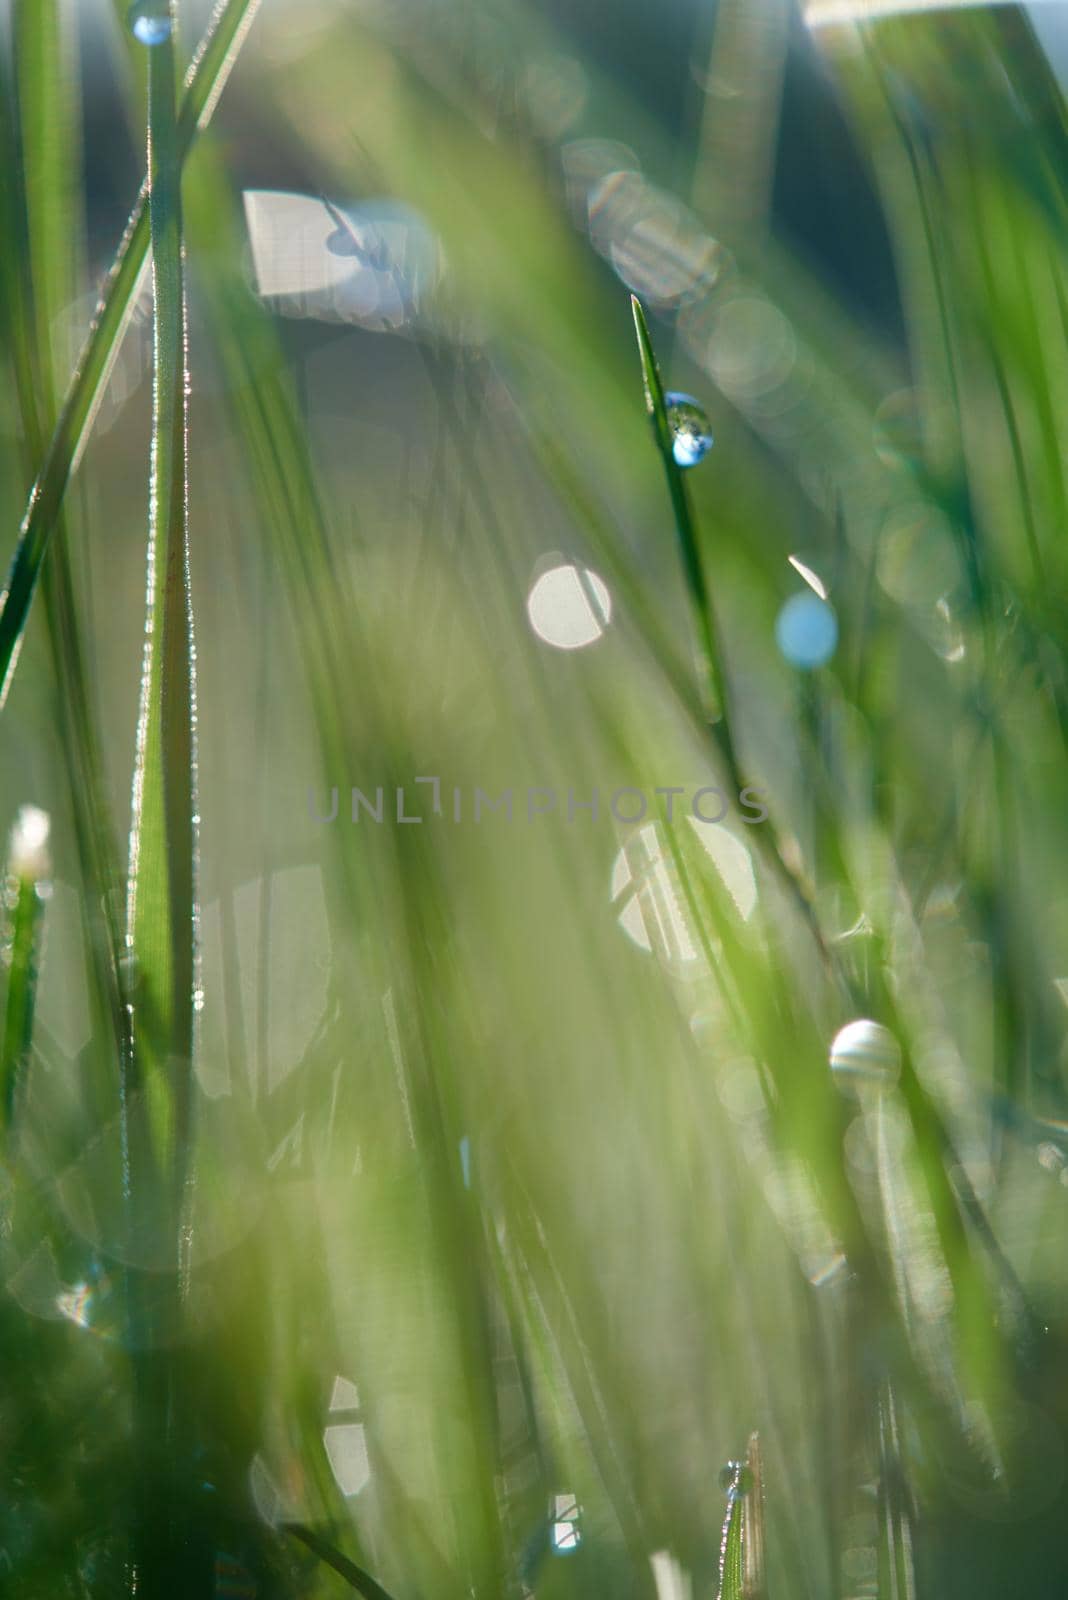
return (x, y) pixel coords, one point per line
(518, 1189)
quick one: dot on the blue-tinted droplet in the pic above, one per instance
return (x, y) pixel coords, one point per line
(806, 630)
(691, 431)
(150, 21)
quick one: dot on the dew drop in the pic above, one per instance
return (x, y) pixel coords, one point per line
(150, 21)
(691, 431)
(864, 1052)
(569, 607)
(735, 1479)
(806, 631)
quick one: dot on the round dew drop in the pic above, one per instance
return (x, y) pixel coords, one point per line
(864, 1052)
(806, 631)
(691, 431)
(150, 21)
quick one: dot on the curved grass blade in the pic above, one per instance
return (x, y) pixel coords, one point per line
(207, 76)
(160, 909)
(353, 1575)
(28, 868)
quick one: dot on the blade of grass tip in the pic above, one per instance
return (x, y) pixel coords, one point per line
(753, 1563)
(206, 79)
(160, 907)
(656, 404)
(731, 1562)
(29, 869)
(713, 684)
(353, 1575)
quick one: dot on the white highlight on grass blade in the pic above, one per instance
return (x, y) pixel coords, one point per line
(229, 61)
(346, 1449)
(814, 581)
(569, 607)
(29, 855)
(344, 1396)
(824, 13)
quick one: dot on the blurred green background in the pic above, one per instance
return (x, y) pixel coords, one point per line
(527, 1170)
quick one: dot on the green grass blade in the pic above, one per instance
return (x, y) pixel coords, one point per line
(269, 426)
(163, 834)
(207, 77)
(353, 1575)
(48, 110)
(693, 567)
(897, 1580)
(741, 1551)
(28, 869)
(731, 1550)
(42, 213)
(754, 1563)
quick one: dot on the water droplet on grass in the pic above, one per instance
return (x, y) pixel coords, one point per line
(806, 631)
(735, 1478)
(864, 1052)
(150, 21)
(691, 431)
